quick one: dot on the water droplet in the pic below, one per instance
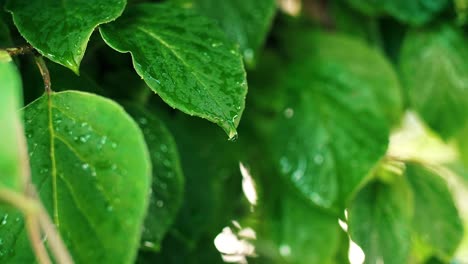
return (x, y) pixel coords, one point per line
(84, 124)
(288, 112)
(110, 208)
(159, 203)
(148, 244)
(143, 121)
(93, 173)
(85, 139)
(216, 44)
(114, 167)
(248, 54)
(318, 159)
(163, 148)
(285, 250)
(4, 220)
(85, 166)
(114, 145)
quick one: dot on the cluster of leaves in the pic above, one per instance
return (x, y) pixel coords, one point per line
(127, 175)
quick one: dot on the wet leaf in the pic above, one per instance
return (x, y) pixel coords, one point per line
(185, 58)
(60, 30)
(168, 181)
(433, 66)
(95, 192)
(11, 126)
(333, 125)
(246, 22)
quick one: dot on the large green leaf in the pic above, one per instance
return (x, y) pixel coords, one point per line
(246, 22)
(60, 30)
(11, 131)
(185, 58)
(414, 12)
(168, 181)
(332, 128)
(433, 67)
(380, 221)
(436, 221)
(91, 166)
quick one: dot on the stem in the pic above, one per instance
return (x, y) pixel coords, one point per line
(35, 238)
(57, 246)
(44, 72)
(28, 49)
(23, 203)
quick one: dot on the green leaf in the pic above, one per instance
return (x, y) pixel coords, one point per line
(433, 66)
(331, 129)
(246, 22)
(436, 220)
(462, 140)
(11, 127)
(5, 38)
(96, 193)
(380, 221)
(299, 231)
(185, 58)
(60, 30)
(412, 12)
(168, 181)
(213, 181)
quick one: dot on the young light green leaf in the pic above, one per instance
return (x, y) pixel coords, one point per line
(379, 221)
(11, 128)
(168, 181)
(334, 123)
(436, 220)
(185, 58)
(96, 193)
(411, 12)
(60, 30)
(433, 66)
(246, 22)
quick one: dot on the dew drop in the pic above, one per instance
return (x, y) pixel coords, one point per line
(4, 220)
(163, 148)
(143, 121)
(216, 44)
(288, 112)
(285, 250)
(318, 159)
(159, 203)
(85, 166)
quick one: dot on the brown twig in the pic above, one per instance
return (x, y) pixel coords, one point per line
(34, 233)
(27, 49)
(44, 72)
(57, 246)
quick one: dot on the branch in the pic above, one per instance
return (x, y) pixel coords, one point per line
(44, 72)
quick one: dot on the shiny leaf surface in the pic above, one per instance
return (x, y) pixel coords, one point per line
(185, 58)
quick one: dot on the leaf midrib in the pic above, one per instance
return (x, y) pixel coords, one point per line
(53, 162)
